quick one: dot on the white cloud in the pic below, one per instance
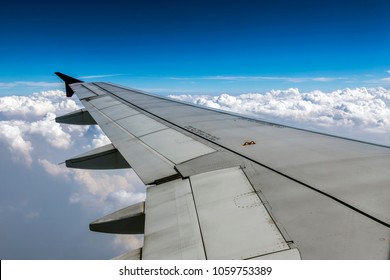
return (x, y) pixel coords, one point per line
(25, 106)
(23, 118)
(100, 140)
(29, 122)
(78, 130)
(109, 191)
(99, 183)
(11, 133)
(106, 190)
(19, 136)
(127, 242)
(51, 131)
(29, 131)
(36, 105)
(54, 169)
(117, 189)
(123, 198)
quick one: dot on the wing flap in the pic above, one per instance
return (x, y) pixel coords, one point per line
(234, 222)
(171, 225)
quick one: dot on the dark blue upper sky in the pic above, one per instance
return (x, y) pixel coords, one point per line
(237, 45)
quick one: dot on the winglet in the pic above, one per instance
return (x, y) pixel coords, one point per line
(68, 81)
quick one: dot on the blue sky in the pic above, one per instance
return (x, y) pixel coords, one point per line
(196, 46)
(168, 47)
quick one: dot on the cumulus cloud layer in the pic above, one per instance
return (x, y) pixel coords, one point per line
(11, 132)
(36, 105)
(361, 112)
(33, 138)
(103, 191)
(28, 122)
(24, 119)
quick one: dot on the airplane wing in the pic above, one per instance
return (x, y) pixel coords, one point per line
(224, 186)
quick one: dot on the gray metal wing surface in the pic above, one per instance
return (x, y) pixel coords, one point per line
(224, 186)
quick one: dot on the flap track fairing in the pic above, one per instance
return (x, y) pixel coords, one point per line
(106, 157)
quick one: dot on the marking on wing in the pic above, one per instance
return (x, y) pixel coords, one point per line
(247, 200)
(249, 143)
